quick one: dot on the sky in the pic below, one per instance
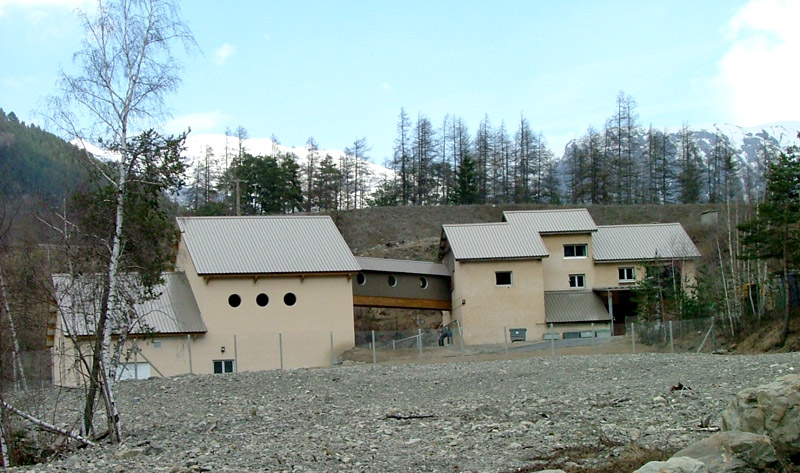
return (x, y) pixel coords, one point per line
(342, 70)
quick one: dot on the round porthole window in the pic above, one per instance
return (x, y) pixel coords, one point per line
(361, 279)
(289, 299)
(262, 300)
(423, 283)
(234, 300)
(392, 280)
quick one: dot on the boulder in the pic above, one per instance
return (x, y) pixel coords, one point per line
(771, 409)
(733, 452)
(674, 465)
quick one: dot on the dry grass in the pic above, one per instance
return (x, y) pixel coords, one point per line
(596, 459)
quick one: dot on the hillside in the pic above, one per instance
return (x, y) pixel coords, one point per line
(413, 232)
(36, 163)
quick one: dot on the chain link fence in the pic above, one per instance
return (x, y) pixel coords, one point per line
(429, 346)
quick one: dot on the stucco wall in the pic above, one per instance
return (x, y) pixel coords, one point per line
(557, 268)
(488, 309)
(324, 305)
(607, 274)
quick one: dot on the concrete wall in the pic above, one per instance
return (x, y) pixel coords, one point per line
(561, 329)
(557, 268)
(485, 309)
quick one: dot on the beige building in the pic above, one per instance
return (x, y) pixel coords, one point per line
(255, 293)
(554, 273)
(258, 293)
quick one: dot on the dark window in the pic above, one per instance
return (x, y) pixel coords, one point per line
(262, 300)
(423, 283)
(223, 366)
(627, 274)
(234, 300)
(290, 299)
(392, 280)
(502, 278)
(577, 280)
(361, 279)
(575, 251)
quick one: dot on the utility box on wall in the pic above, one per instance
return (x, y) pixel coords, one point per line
(518, 334)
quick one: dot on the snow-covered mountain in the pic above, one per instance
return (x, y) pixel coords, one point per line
(749, 141)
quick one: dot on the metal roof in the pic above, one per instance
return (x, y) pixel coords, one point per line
(173, 311)
(262, 245)
(552, 221)
(572, 306)
(484, 241)
(643, 242)
(402, 266)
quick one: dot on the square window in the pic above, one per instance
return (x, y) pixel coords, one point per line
(223, 366)
(503, 278)
(627, 274)
(575, 251)
(577, 280)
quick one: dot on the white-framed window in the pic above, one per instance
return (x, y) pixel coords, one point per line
(576, 250)
(503, 278)
(577, 280)
(627, 274)
(223, 366)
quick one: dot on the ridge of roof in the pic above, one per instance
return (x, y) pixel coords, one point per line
(579, 209)
(655, 224)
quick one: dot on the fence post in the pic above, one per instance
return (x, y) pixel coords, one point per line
(189, 345)
(235, 355)
(552, 341)
(633, 336)
(333, 354)
(461, 336)
(419, 341)
(505, 339)
(374, 356)
(135, 361)
(671, 340)
(280, 347)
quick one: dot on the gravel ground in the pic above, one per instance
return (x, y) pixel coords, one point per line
(481, 416)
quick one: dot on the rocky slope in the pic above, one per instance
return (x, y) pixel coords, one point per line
(481, 416)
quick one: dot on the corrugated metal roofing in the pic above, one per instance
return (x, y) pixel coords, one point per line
(262, 245)
(174, 311)
(493, 241)
(402, 266)
(570, 306)
(643, 242)
(552, 221)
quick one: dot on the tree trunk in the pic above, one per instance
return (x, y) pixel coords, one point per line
(19, 370)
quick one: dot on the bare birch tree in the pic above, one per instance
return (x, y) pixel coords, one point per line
(126, 68)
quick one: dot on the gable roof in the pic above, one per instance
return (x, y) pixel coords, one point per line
(173, 311)
(571, 306)
(490, 241)
(551, 221)
(387, 265)
(263, 245)
(658, 241)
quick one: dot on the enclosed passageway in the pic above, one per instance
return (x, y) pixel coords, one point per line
(401, 284)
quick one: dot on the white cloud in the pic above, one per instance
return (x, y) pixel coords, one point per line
(758, 74)
(223, 53)
(206, 122)
(386, 86)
